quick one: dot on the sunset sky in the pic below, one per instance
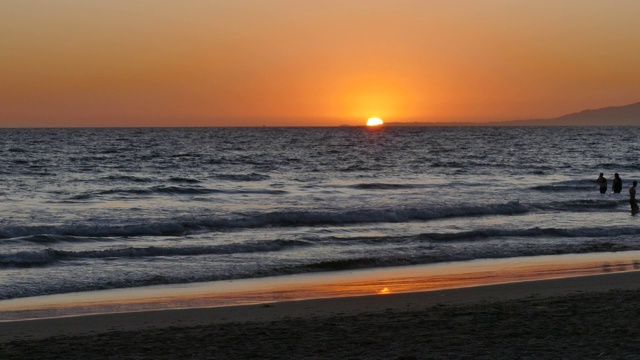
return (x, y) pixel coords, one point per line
(312, 62)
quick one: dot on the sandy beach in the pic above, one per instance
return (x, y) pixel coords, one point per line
(571, 318)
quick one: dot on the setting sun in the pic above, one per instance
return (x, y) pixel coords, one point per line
(374, 122)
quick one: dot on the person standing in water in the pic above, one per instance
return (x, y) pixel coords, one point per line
(632, 198)
(602, 181)
(617, 184)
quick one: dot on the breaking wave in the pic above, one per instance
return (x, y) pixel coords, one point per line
(47, 256)
(271, 219)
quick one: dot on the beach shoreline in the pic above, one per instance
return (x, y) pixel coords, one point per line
(324, 285)
(595, 298)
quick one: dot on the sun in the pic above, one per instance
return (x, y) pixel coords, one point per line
(374, 121)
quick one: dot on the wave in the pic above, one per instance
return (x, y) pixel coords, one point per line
(138, 179)
(129, 178)
(175, 190)
(531, 232)
(286, 218)
(180, 190)
(426, 255)
(243, 177)
(52, 239)
(81, 197)
(347, 264)
(100, 230)
(582, 205)
(276, 218)
(384, 186)
(566, 186)
(184, 180)
(49, 256)
(475, 235)
(499, 252)
(615, 167)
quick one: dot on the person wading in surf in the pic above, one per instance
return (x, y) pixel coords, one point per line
(602, 181)
(632, 198)
(617, 184)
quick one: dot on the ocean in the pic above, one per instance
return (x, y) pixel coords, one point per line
(92, 209)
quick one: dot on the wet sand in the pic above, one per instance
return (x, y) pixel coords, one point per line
(415, 278)
(572, 318)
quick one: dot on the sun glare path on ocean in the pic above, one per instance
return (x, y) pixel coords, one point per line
(374, 121)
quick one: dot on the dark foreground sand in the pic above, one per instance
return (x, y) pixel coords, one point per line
(592, 317)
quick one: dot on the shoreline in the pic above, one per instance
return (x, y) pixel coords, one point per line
(338, 284)
(128, 321)
(539, 318)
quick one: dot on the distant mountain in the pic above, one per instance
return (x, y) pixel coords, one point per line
(626, 115)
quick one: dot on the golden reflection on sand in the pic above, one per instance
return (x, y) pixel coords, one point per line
(321, 285)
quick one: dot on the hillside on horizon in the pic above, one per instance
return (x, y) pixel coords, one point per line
(625, 115)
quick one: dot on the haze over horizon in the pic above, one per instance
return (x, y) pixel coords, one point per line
(312, 63)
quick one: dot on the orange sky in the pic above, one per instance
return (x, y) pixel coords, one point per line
(311, 62)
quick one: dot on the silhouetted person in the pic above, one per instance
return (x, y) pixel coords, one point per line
(602, 181)
(617, 184)
(632, 198)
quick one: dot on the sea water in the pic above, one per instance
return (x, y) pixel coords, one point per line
(90, 209)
